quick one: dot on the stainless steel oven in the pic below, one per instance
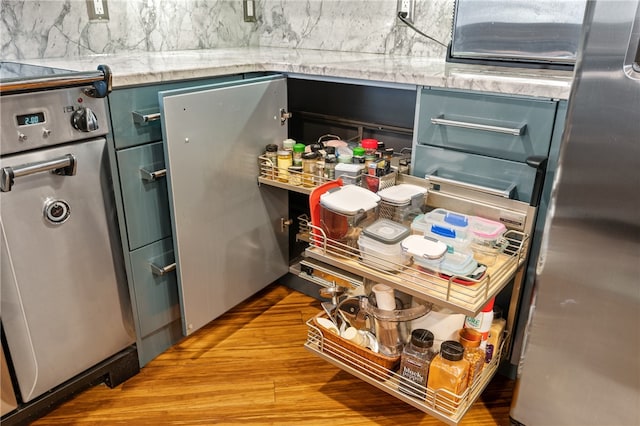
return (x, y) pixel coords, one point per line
(65, 305)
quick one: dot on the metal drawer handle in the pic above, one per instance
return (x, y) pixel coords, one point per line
(515, 131)
(162, 270)
(434, 179)
(152, 176)
(63, 166)
(142, 118)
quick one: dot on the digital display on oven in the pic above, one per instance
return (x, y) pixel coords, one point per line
(27, 119)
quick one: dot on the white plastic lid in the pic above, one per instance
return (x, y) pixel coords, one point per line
(386, 231)
(401, 194)
(424, 247)
(349, 168)
(349, 199)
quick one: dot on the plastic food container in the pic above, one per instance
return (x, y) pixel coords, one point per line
(448, 227)
(380, 245)
(351, 174)
(426, 251)
(460, 262)
(487, 239)
(402, 203)
(345, 210)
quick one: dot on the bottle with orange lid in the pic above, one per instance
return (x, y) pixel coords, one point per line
(470, 341)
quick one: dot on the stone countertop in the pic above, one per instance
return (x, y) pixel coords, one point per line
(138, 68)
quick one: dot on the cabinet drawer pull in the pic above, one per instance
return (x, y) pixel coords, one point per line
(515, 131)
(152, 176)
(162, 270)
(142, 118)
(434, 179)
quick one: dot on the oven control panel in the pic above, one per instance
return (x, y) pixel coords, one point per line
(45, 118)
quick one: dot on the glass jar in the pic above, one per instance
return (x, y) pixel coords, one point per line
(269, 167)
(285, 160)
(298, 150)
(370, 147)
(295, 175)
(358, 155)
(448, 371)
(470, 341)
(414, 363)
(309, 160)
(330, 166)
(288, 144)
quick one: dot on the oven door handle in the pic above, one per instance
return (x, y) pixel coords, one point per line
(149, 176)
(63, 166)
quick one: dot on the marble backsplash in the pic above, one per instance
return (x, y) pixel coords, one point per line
(61, 28)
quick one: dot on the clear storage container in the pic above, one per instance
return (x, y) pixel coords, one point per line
(351, 174)
(487, 239)
(345, 210)
(380, 247)
(426, 251)
(402, 203)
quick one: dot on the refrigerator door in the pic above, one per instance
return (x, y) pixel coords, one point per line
(581, 361)
(228, 232)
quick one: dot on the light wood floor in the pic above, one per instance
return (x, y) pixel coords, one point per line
(249, 367)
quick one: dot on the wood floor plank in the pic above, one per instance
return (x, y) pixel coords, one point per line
(249, 367)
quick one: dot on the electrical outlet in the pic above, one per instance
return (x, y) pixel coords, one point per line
(406, 9)
(98, 11)
(249, 10)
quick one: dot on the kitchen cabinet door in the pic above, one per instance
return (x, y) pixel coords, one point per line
(229, 241)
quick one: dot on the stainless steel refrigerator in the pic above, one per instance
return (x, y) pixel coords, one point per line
(581, 362)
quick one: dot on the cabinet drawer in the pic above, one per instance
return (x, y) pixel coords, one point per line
(475, 169)
(146, 204)
(156, 295)
(143, 101)
(482, 123)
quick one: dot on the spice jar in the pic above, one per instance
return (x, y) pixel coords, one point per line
(414, 364)
(288, 144)
(269, 167)
(309, 160)
(330, 166)
(295, 175)
(470, 341)
(358, 155)
(370, 147)
(298, 150)
(448, 371)
(285, 160)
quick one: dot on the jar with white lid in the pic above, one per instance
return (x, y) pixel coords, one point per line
(402, 202)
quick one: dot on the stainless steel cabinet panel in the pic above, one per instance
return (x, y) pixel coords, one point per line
(145, 200)
(228, 238)
(143, 100)
(486, 118)
(490, 172)
(156, 295)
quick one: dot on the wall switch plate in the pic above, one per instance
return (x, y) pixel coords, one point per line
(98, 10)
(406, 8)
(249, 10)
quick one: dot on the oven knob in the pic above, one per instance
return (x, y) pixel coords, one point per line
(46, 133)
(84, 119)
(22, 137)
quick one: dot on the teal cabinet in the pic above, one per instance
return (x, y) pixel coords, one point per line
(144, 194)
(483, 139)
(138, 166)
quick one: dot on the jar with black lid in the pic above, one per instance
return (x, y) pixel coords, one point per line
(269, 167)
(449, 371)
(414, 364)
(309, 160)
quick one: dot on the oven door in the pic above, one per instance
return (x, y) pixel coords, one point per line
(65, 305)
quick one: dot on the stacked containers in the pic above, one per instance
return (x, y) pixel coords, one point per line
(380, 245)
(345, 210)
(402, 203)
(486, 239)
